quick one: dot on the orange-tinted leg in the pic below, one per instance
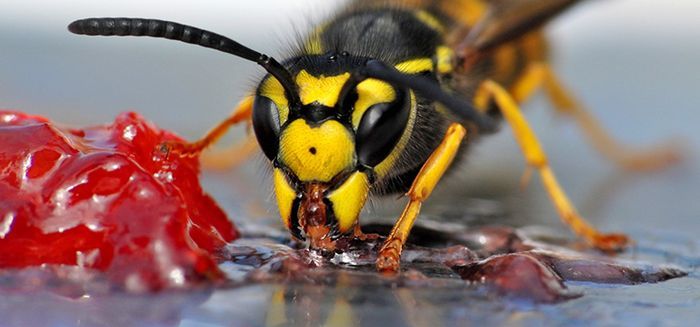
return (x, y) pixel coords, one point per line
(536, 159)
(242, 113)
(388, 259)
(541, 75)
(231, 156)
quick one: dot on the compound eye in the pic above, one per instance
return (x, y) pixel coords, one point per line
(380, 129)
(266, 124)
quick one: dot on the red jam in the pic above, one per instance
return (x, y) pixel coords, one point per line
(105, 198)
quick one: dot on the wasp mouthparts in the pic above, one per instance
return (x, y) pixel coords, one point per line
(313, 217)
(312, 211)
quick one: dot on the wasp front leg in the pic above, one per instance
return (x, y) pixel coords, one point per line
(537, 159)
(388, 259)
(242, 113)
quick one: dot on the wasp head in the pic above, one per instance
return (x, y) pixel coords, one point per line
(328, 145)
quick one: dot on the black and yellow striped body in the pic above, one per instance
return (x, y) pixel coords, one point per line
(322, 145)
(416, 38)
(401, 38)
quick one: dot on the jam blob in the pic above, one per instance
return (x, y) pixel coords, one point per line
(106, 198)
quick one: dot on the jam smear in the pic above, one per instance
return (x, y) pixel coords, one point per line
(498, 260)
(105, 198)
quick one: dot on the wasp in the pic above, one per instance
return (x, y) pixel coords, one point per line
(383, 97)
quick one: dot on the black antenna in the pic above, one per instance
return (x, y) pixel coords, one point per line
(184, 33)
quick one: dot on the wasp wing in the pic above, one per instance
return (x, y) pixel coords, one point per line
(507, 20)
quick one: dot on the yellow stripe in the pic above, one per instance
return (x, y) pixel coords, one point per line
(369, 93)
(272, 89)
(416, 66)
(349, 199)
(285, 196)
(324, 90)
(385, 166)
(430, 20)
(445, 59)
(317, 153)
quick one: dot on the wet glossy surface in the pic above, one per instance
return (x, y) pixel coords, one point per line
(502, 261)
(273, 284)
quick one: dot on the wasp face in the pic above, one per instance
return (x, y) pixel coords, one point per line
(326, 149)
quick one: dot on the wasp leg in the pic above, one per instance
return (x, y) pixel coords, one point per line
(537, 159)
(242, 113)
(540, 74)
(389, 255)
(231, 156)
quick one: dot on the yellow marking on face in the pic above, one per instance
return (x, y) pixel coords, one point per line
(285, 196)
(317, 153)
(445, 59)
(349, 199)
(430, 20)
(383, 168)
(369, 93)
(416, 66)
(324, 90)
(373, 91)
(272, 89)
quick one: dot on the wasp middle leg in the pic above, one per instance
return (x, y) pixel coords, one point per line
(537, 159)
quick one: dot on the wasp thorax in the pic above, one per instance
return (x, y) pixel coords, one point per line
(317, 152)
